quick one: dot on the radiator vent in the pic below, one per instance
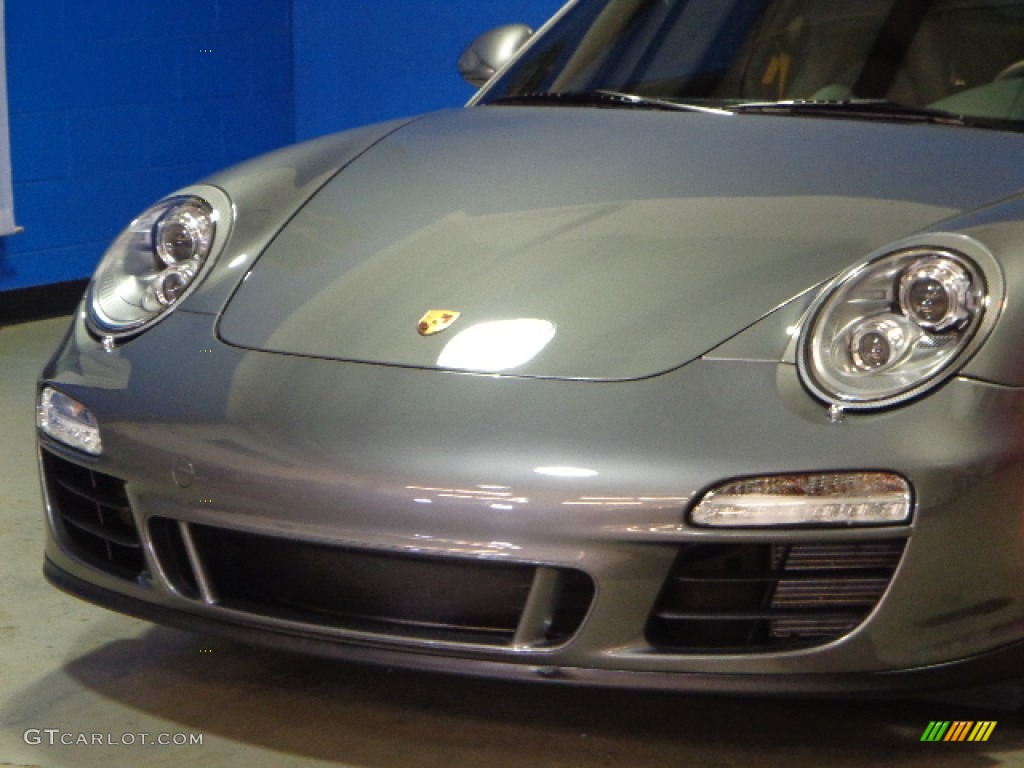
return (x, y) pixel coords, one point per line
(397, 594)
(746, 598)
(94, 517)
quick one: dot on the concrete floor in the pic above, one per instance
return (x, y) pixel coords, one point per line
(68, 667)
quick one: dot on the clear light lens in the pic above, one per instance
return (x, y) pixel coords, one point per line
(171, 284)
(888, 330)
(878, 344)
(833, 499)
(151, 266)
(68, 421)
(936, 293)
(184, 233)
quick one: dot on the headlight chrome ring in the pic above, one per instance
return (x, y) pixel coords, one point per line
(156, 262)
(895, 326)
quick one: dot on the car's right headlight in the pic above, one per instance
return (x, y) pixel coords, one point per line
(156, 262)
(892, 328)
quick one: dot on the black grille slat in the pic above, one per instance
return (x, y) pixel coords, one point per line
(864, 592)
(119, 535)
(106, 499)
(749, 598)
(94, 515)
(824, 557)
(825, 628)
(754, 615)
(791, 575)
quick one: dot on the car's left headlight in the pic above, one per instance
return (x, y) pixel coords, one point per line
(156, 262)
(892, 328)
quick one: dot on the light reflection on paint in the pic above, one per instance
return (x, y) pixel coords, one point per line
(566, 472)
(627, 501)
(505, 500)
(504, 497)
(500, 345)
(464, 546)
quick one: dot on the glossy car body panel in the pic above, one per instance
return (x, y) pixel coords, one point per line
(288, 407)
(361, 460)
(267, 191)
(480, 224)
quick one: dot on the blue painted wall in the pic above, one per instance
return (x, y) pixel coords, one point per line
(361, 61)
(114, 104)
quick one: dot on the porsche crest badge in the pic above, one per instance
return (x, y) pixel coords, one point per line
(437, 320)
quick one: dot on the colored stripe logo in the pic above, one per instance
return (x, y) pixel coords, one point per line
(958, 730)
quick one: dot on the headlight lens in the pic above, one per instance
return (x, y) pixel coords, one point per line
(890, 329)
(152, 265)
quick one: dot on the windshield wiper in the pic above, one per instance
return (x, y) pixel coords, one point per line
(864, 109)
(603, 98)
(851, 109)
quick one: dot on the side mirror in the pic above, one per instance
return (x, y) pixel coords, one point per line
(491, 51)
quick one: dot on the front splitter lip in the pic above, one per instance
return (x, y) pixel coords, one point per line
(999, 665)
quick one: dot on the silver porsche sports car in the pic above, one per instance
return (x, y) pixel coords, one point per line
(687, 355)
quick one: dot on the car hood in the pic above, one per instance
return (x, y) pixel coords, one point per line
(595, 243)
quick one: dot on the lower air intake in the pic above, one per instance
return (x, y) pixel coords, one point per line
(746, 598)
(93, 517)
(464, 600)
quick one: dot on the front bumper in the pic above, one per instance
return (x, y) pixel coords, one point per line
(1004, 663)
(429, 467)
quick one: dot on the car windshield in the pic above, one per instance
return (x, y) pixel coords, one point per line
(867, 58)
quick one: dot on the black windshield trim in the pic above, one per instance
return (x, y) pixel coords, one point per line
(873, 109)
(601, 98)
(879, 110)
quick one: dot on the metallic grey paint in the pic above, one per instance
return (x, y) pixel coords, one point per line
(269, 463)
(491, 51)
(480, 223)
(290, 395)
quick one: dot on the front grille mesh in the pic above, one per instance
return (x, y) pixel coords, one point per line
(94, 517)
(745, 598)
